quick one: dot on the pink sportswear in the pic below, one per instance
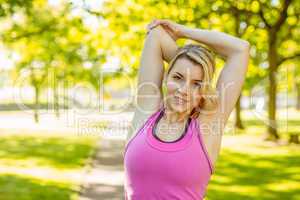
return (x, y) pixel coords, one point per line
(157, 170)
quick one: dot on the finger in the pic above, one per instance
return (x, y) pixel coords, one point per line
(150, 26)
(154, 24)
(171, 27)
(151, 23)
(165, 21)
(157, 22)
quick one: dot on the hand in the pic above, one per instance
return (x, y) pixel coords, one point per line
(175, 30)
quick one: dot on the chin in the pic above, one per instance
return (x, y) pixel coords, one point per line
(179, 108)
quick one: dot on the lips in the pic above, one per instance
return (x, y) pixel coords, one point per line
(180, 100)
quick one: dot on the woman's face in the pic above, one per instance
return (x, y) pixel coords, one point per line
(183, 84)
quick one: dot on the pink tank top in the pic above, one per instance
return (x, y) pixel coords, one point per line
(158, 170)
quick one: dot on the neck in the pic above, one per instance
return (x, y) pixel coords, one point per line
(171, 116)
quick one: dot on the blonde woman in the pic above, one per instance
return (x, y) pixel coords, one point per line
(175, 138)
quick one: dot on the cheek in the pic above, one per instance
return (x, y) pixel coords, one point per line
(171, 86)
(195, 98)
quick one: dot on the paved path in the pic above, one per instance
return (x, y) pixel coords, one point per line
(104, 181)
(104, 178)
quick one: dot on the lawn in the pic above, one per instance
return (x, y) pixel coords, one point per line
(249, 168)
(35, 166)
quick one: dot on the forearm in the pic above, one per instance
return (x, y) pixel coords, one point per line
(222, 43)
(151, 68)
(167, 44)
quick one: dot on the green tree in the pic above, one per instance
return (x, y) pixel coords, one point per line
(278, 24)
(50, 42)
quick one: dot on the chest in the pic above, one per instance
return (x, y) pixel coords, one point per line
(181, 167)
(170, 132)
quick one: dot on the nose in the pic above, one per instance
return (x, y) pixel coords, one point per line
(183, 89)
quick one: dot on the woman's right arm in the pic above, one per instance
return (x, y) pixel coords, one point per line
(168, 44)
(158, 46)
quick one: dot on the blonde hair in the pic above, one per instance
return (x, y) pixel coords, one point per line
(204, 57)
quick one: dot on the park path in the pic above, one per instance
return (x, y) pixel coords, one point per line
(104, 180)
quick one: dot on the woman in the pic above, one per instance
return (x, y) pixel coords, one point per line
(175, 138)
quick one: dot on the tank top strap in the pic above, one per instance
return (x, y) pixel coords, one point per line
(181, 144)
(157, 112)
(150, 119)
(199, 133)
(147, 124)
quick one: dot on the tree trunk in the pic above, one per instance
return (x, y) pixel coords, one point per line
(65, 94)
(294, 138)
(272, 89)
(272, 125)
(37, 104)
(55, 98)
(238, 121)
(238, 33)
(298, 96)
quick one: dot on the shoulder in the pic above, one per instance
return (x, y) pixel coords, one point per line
(213, 121)
(140, 117)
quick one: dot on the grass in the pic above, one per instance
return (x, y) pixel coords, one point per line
(27, 187)
(250, 168)
(42, 166)
(36, 166)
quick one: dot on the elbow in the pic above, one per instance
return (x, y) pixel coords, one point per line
(245, 46)
(158, 31)
(243, 49)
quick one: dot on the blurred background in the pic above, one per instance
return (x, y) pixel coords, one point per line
(68, 74)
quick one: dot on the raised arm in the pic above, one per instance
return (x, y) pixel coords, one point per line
(236, 53)
(158, 46)
(234, 50)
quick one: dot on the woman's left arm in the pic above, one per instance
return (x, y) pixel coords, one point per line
(232, 76)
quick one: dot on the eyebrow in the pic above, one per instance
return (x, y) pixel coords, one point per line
(182, 76)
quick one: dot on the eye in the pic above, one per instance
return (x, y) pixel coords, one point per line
(176, 77)
(198, 84)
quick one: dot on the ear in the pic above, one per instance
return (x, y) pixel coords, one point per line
(202, 101)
